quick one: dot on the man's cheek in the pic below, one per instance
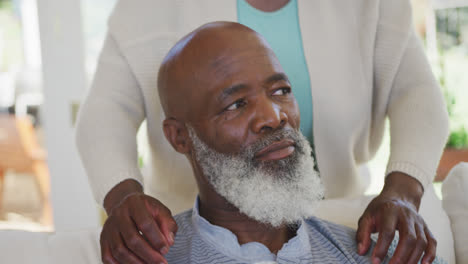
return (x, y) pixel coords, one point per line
(294, 118)
(230, 137)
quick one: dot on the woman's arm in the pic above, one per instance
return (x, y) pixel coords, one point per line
(418, 117)
(106, 140)
(108, 122)
(418, 130)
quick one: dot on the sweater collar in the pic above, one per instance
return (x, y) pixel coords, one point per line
(224, 240)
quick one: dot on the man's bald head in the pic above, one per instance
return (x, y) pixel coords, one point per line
(201, 58)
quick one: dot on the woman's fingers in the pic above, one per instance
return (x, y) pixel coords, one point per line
(386, 228)
(366, 227)
(132, 233)
(137, 244)
(420, 246)
(148, 226)
(431, 248)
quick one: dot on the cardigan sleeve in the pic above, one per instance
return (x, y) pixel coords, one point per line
(108, 122)
(415, 106)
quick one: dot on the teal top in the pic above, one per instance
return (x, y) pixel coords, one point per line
(281, 30)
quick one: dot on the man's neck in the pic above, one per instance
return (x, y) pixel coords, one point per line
(219, 212)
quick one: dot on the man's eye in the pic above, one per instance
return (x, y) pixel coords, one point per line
(282, 91)
(236, 105)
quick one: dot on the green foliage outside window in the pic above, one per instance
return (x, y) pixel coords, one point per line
(452, 36)
(458, 138)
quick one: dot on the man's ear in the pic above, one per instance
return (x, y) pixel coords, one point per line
(177, 134)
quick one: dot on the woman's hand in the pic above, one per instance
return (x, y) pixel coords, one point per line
(139, 229)
(396, 208)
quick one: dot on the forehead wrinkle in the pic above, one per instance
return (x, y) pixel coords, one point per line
(232, 90)
(230, 54)
(277, 77)
(226, 65)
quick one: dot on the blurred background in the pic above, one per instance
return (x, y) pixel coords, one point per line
(48, 54)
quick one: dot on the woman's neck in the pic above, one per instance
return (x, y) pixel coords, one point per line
(268, 5)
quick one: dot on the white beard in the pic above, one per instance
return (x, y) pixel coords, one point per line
(275, 193)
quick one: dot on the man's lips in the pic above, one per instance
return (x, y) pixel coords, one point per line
(276, 151)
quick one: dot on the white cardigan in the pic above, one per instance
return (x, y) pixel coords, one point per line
(365, 64)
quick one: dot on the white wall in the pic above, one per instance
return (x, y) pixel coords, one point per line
(64, 83)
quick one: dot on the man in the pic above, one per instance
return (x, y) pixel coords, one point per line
(360, 60)
(229, 109)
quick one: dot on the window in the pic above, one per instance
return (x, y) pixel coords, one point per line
(443, 26)
(24, 175)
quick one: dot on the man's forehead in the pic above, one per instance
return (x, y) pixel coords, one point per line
(213, 56)
(221, 61)
(243, 56)
(235, 75)
(220, 54)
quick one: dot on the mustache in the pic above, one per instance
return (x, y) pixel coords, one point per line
(291, 134)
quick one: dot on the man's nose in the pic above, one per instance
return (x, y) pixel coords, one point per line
(268, 117)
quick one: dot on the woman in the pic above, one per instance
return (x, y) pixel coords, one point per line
(352, 63)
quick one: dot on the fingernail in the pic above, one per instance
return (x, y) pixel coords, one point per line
(360, 248)
(171, 238)
(375, 261)
(164, 250)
